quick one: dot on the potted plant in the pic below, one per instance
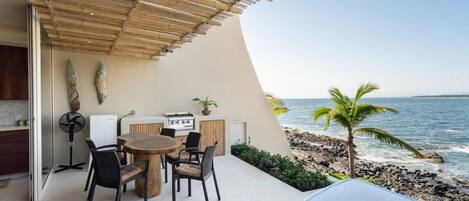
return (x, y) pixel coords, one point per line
(206, 104)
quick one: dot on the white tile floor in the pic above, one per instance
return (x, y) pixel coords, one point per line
(238, 181)
(15, 189)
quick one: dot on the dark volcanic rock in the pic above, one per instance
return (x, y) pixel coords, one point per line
(436, 158)
(331, 155)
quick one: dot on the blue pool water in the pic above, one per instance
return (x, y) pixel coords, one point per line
(438, 125)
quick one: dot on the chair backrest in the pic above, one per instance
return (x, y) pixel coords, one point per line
(192, 140)
(207, 161)
(107, 167)
(168, 132)
(90, 144)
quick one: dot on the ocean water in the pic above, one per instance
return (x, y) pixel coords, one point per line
(438, 125)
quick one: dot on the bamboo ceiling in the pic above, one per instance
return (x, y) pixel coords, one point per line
(137, 28)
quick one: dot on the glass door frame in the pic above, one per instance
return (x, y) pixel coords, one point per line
(34, 78)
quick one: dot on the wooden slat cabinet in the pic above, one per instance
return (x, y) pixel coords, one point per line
(14, 151)
(213, 131)
(152, 128)
(13, 73)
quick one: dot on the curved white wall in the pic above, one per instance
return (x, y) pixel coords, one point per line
(215, 65)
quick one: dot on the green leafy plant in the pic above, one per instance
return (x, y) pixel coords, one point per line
(280, 167)
(205, 103)
(350, 113)
(277, 106)
(338, 175)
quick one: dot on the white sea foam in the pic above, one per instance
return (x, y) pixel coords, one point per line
(453, 131)
(464, 149)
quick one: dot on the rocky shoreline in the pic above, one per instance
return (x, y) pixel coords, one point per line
(330, 155)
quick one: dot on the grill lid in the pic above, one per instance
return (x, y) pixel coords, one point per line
(178, 114)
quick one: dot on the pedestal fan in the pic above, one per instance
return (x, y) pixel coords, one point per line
(71, 123)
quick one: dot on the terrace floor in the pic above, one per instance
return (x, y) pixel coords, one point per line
(238, 181)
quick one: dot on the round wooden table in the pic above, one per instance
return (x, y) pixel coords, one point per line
(148, 147)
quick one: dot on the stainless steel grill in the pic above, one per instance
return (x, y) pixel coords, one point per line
(180, 121)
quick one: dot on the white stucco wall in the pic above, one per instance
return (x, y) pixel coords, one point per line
(215, 65)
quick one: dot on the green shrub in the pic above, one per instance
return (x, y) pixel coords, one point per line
(281, 167)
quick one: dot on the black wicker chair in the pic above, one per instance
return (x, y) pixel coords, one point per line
(120, 153)
(110, 173)
(170, 133)
(186, 153)
(191, 170)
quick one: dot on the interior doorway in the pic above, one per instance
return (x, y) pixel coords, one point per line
(14, 101)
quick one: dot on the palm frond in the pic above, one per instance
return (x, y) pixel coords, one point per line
(338, 98)
(363, 111)
(328, 120)
(279, 111)
(277, 105)
(365, 89)
(320, 112)
(386, 137)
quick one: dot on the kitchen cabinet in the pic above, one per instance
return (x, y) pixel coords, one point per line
(213, 131)
(152, 128)
(13, 73)
(14, 151)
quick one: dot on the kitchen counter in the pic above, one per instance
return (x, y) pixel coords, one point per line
(13, 128)
(127, 121)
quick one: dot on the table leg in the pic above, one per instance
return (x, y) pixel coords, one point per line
(154, 175)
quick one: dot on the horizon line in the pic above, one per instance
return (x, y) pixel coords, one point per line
(413, 96)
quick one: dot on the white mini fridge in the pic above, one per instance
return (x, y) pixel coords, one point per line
(103, 129)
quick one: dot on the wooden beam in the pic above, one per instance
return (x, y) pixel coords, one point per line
(161, 11)
(213, 3)
(66, 20)
(79, 46)
(52, 17)
(71, 6)
(82, 40)
(150, 39)
(80, 16)
(80, 30)
(144, 41)
(160, 24)
(124, 24)
(186, 6)
(155, 34)
(132, 43)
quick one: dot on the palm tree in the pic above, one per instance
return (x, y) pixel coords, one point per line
(350, 113)
(277, 106)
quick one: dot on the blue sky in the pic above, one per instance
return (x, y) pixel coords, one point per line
(301, 48)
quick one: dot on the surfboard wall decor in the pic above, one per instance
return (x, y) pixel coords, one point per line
(101, 83)
(73, 87)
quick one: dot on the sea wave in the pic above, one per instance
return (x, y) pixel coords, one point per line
(464, 149)
(453, 131)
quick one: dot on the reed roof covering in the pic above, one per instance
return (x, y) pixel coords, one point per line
(137, 28)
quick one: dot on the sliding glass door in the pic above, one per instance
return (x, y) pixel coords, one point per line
(46, 107)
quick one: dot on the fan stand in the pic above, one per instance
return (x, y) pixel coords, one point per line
(70, 162)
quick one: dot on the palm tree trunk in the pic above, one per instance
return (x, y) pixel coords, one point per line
(351, 154)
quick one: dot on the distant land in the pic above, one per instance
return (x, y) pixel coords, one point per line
(443, 96)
